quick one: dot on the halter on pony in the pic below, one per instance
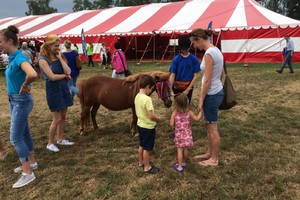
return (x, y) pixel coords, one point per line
(163, 89)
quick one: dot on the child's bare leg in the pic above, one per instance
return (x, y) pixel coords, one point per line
(180, 157)
(185, 154)
(141, 150)
(146, 158)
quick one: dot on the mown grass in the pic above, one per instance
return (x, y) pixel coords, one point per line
(259, 156)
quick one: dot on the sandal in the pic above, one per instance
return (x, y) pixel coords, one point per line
(210, 162)
(152, 170)
(142, 165)
(183, 165)
(202, 157)
(175, 166)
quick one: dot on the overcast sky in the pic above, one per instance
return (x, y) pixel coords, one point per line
(14, 8)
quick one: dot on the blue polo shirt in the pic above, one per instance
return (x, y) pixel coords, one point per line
(184, 68)
(15, 76)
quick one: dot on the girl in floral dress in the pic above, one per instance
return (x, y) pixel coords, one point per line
(180, 122)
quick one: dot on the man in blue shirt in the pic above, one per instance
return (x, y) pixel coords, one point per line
(289, 55)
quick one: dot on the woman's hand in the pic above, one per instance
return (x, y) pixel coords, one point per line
(25, 88)
(58, 55)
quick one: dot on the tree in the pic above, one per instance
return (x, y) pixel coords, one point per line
(82, 5)
(39, 7)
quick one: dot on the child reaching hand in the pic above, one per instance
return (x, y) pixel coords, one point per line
(180, 123)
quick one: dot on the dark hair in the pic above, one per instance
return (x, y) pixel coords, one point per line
(184, 42)
(117, 45)
(201, 33)
(146, 80)
(10, 33)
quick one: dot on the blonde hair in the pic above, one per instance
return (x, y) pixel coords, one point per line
(181, 103)
(45, 48)
(200, 33)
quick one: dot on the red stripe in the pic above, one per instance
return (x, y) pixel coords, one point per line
(75, 22)
(160, 18)
(257, 57)
(254, 17)
(114, 20)
(41, 25)
(218, 11)
(260, 33)
(25, 21)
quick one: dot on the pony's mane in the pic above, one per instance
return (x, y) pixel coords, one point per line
(162, 76)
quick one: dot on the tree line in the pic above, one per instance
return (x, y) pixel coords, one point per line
(290, 8)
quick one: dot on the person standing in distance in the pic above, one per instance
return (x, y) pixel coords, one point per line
(288, 56)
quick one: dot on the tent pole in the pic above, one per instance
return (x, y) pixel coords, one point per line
(135, 44)
(167, 47)
(153, 60)
(145, 50)
(128, 44)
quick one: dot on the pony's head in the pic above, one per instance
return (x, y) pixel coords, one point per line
(163, 92)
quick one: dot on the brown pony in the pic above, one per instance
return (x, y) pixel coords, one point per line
(117, 94)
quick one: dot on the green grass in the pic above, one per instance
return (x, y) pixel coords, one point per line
(259, 153)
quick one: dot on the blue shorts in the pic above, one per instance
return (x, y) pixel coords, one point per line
(147, 138)
(211, 107)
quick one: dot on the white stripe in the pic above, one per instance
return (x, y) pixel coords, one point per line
(37, 21)
(274, 17)
(187, 15)
(137, 18)
(257, 45)
(95, 20)
(238, 17)
(15, 21)
(59, 23)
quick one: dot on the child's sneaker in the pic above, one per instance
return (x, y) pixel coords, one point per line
(24, 180)
(152, 170)
(33, 166)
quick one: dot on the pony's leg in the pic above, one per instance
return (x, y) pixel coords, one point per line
(93, 115)
(133, 127)
(84, 118)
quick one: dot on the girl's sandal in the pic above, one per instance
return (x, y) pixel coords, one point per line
(210, 162)
(202, 157)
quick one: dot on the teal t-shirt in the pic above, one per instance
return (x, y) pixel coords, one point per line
(15, 76)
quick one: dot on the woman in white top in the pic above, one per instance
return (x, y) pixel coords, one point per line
(211, 92)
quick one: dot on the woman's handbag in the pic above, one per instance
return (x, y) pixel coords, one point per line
(230, 99)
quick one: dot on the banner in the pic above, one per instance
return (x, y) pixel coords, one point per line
(83, 42)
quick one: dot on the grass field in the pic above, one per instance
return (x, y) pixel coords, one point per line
(259, 153)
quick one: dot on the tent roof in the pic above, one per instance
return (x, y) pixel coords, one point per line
(157, 17)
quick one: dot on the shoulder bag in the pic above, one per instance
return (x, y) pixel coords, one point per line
(230, 98)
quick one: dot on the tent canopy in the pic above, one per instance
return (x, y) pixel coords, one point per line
(152, 18)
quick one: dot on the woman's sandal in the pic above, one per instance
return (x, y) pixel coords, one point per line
(202, 157)
(209, 162)
(142, 165)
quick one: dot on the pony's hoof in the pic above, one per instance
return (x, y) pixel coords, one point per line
(81, 132)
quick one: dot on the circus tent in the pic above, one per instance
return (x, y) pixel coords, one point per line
(245, 30)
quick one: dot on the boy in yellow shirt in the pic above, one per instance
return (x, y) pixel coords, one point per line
(146, 122)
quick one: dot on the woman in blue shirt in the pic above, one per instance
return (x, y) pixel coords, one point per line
(19, 74)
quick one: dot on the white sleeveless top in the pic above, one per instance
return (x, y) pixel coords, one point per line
(217, 68)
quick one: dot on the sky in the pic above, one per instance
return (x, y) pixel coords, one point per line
(14, 8)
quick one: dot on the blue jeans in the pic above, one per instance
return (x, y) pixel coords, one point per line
(20, 137)
(72, 85)
(287, 61)
(211, 107)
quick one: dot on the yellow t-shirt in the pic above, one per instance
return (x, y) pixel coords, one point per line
(143, 104)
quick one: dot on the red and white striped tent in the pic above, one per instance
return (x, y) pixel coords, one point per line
(247, 31)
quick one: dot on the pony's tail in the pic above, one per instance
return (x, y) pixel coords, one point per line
(86, 117)
(81, 92)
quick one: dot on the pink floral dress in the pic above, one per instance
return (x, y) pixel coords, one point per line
(183, 130)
